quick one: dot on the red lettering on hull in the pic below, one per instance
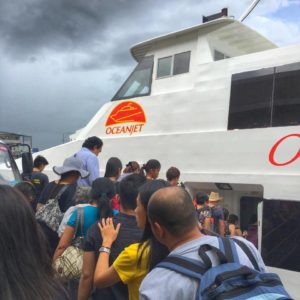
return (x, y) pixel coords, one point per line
(275, 147)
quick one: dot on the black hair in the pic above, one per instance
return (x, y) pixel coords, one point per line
(173, 209)
(92, 142)
(201, 198)
(152, 164)
(157, 250)
(113, 167)
(69, 174)
(253, 219)
(132, 167)
(27, 189)
(128, 189)
(25, 268)
(226, 213)
(102, 192)
(172, 173)
(40, 161)
(232, 219)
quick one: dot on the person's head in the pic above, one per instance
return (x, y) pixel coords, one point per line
(113, 168)
(214, 199)
(201, 199)
(226, 213)
(132, 167)
(233, 219)
(25, 264)
(157, 250)
(71, 170)
(27, 189)
(152, 168)
(172, 215)
(40, 162)
(94, 144)
(253, 219)
(173, 175)
(128, 190)
(101, 193)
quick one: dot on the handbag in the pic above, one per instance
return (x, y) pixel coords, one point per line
(69, 264)
(50, 213)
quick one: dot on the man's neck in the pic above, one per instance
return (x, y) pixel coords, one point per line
(192, 235)
(36, 170)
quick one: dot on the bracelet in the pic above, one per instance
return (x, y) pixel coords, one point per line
(104, 249)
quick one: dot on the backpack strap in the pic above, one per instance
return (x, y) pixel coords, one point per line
(229, 249)
(248, 252)
(205, 258)
(183, 265)
(61, 191)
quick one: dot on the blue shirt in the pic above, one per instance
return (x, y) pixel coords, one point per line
(90, 164)
(91, 215)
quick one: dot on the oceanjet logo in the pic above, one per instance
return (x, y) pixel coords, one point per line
(125, 113)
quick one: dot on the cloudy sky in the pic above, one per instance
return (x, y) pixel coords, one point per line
(60, 60)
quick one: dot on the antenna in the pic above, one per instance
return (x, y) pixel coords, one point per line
(249, 10)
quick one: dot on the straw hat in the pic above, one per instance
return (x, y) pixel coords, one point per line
(214, 197)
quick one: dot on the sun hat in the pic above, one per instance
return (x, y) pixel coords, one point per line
(71, 164)
(214, 197)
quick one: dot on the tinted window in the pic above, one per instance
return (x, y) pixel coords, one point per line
(139, 82)
(250, 99)
(286, 110)
(181, 63)
(164, 67)
(281, 234)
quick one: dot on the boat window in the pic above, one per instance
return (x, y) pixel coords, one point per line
(265, 98)
(181, 63)
(286, 109)
(281, 234)
(250, 99)
(173, 65)
(139, 82)
(218, 55)
(164, 66)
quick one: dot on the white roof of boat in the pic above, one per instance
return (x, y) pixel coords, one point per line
(229, 30)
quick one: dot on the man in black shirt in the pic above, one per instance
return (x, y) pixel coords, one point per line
(129, 233)
(38, 179)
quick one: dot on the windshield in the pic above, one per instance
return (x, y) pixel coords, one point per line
(139, 82)
(8, 170)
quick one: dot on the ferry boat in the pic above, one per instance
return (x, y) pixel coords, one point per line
(222, 103)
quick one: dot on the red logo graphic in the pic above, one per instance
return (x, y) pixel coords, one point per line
(275, 147)
(124, 113)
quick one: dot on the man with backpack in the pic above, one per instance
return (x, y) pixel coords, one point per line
(198, 266)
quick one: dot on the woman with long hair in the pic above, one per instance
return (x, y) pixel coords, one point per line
(99, 207)
(151, 168)
(25, 268)
(135, 261)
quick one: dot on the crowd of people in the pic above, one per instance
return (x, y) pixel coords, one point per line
(122, 226)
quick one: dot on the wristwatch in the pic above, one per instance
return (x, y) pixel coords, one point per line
(104, 249)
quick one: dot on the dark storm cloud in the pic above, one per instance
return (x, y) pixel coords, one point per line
(30, 27)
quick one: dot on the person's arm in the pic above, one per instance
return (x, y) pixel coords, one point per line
(221, 227)
(87, 274)
(105, 275)
(207, 224)
(93, 168)
(231, 228)
(64, 242)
